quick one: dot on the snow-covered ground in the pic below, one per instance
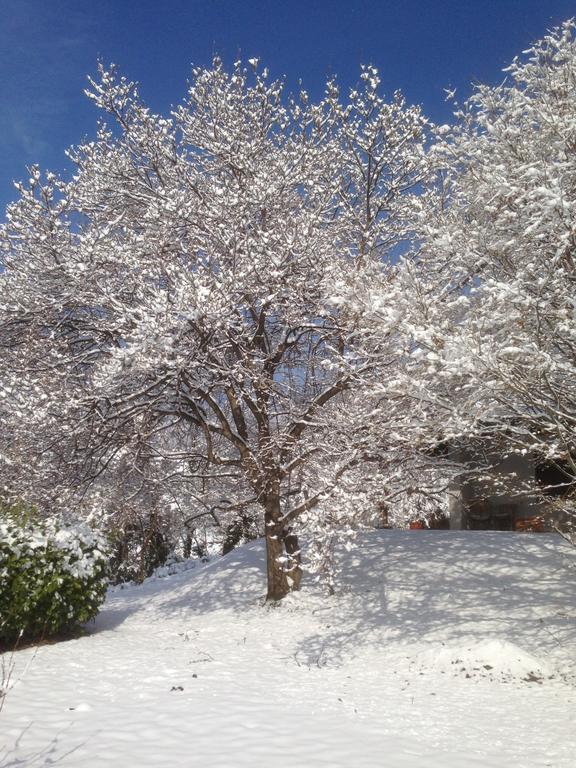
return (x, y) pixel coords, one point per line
(442, 650)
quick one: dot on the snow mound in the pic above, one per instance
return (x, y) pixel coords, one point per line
(495, 659)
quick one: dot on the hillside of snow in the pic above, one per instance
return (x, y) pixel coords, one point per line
(440, 650)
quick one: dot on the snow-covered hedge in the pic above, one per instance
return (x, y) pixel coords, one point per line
(52, 578)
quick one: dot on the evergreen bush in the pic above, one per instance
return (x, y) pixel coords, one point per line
(52, 579)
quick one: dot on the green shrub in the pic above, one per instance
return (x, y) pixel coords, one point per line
(51, 579)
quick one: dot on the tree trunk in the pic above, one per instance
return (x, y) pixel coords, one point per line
(282, 554)
(293, 550)
(278, 586)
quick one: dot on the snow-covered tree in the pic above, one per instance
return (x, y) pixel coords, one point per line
(493, 318)
(183, 301)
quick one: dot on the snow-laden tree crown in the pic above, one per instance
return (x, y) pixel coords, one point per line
(180, 313)
(494, 328)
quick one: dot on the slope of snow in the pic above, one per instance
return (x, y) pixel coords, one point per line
(442, 650)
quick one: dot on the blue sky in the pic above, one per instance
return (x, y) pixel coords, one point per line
(47, 47)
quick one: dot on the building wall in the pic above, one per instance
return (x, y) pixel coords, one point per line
(494, 493)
